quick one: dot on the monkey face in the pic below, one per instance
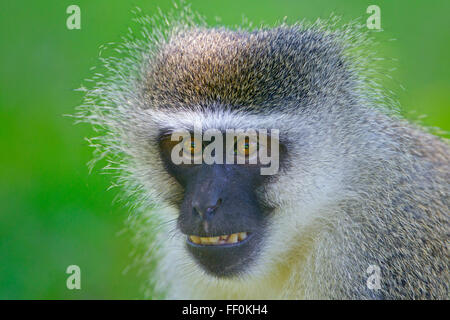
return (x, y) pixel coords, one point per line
(220, 213)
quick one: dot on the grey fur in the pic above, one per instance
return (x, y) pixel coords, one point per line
(360, 186)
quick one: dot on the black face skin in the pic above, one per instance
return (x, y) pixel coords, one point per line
(220, 199)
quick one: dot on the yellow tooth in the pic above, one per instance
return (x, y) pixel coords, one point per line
(242, 235)
(233, 238)
(204, 240)
(213, 240)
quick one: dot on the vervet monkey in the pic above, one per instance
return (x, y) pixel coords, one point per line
(358, 208)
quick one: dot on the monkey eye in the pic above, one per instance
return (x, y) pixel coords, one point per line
(246, 147)
(167, 143)
(189, 147)
(193, 148)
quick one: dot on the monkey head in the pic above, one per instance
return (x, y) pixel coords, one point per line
(221, 212)
(228, 214)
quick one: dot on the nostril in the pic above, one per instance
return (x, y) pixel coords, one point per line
(210, 210)
(197, 212)
(200, 211)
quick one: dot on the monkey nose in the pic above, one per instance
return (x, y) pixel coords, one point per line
(205, 210)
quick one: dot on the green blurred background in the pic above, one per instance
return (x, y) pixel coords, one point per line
(52, 212)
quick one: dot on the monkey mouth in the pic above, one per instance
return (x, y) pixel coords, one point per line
(225, 255)
(223, 240)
